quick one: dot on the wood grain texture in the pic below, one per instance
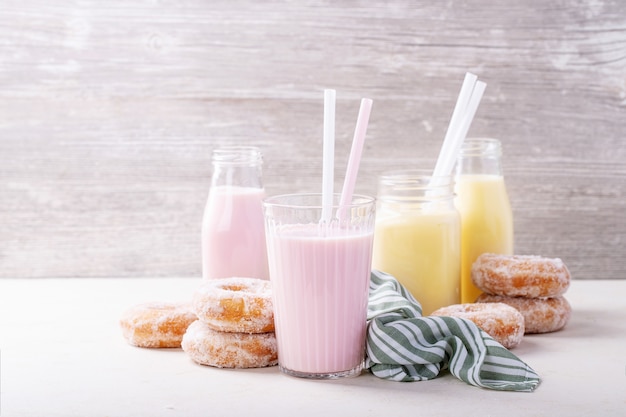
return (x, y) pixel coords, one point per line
(109, 111)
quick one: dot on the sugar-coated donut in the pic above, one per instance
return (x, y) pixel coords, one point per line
(500, 321)
(541, 315)
(156, 324)
(241, 305)
(520, 275)
(229, 350)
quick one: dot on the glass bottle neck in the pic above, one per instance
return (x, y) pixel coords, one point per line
(238, 166)
(480, 156)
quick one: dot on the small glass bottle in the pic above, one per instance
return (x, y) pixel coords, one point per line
(233, 230)
(417, 237)
(483, 202)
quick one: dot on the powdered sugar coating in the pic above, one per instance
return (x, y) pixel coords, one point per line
(229, 350)
(500, 321)
(241, 305)
(541, 315)
(520, 275)
(156, 324)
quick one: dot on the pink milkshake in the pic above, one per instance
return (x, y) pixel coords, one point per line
(233, 234)
(320, 278)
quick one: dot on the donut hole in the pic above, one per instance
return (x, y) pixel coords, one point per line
(233, 287)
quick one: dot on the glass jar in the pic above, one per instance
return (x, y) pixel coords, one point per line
(483, 202)
(418, 236)
(233, 230)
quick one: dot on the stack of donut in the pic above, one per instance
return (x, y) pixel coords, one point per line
(533, 285)
(235, 326)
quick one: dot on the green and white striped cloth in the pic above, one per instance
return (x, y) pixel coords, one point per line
(404, 346)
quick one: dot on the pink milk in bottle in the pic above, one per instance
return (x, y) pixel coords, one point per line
(320, 281)
(233, 234)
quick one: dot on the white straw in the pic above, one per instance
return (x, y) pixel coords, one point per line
(329, 155)
(355, 156)
(464, 126)
(445, 154)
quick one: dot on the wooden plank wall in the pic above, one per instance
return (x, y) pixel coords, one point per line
(109, 111)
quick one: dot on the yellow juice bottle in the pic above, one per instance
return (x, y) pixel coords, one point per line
(484, 206)
(417, 237)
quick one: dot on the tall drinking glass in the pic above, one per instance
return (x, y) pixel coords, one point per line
(320, 278)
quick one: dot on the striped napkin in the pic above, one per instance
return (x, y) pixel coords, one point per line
(404, 346)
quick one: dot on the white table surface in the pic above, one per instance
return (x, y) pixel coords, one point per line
(62, 354)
